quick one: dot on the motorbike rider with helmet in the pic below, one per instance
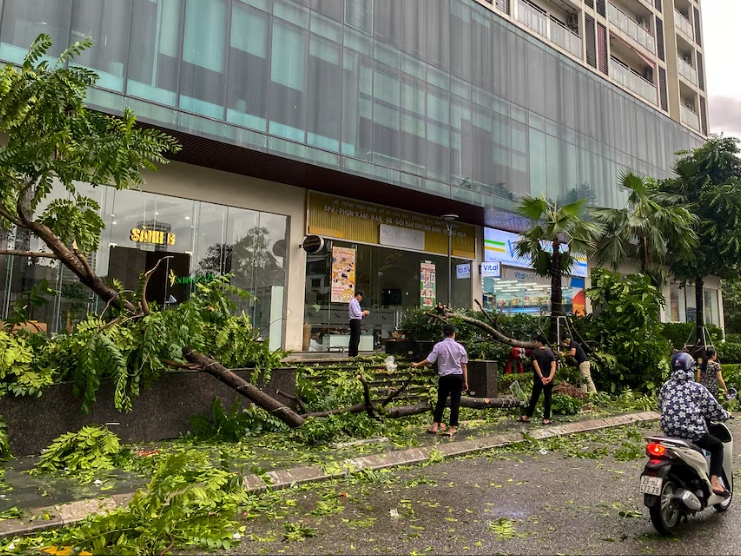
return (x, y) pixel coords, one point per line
(685, 407)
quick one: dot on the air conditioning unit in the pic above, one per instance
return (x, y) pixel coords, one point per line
(572, 21)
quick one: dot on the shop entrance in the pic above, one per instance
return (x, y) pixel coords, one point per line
(390, 279)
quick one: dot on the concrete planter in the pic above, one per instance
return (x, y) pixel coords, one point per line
(415, 351)
(162, 411)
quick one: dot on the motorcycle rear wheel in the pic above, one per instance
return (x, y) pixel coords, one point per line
(723, 506)
(665, 516)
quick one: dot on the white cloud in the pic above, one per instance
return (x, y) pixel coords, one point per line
(722, 45)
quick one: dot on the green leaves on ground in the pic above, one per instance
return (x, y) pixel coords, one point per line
(82, 453)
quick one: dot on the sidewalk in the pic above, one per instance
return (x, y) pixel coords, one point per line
(61, 514)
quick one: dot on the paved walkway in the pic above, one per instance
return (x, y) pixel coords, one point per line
(58, 515)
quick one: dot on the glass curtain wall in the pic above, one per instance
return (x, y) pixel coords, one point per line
(198, 242)
(441, 96)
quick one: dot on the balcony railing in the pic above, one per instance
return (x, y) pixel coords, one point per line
(689, 117)
(631, 28)
(502, 6)
(687, 71)
(565, 38)
(549, 28)
(684, 25)
(632, 80)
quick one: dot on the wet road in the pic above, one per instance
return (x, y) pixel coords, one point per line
(538, 499)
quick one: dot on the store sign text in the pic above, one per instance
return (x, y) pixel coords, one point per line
(155, 237)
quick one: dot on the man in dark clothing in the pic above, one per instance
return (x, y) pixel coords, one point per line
(574, 349)
(544, 364)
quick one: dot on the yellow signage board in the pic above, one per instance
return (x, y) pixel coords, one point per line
(352, 220)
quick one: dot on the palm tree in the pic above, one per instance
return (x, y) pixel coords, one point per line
(558, 234)
(651, 221)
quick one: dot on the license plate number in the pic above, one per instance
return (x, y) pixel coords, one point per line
(651, 485)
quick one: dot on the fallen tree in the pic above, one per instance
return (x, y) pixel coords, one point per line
(55, 143)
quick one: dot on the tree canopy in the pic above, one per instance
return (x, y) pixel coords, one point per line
(52, 138)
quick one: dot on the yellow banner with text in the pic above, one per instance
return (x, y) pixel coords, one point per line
(352, 220)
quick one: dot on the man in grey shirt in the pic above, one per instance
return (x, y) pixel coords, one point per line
(356, 315)
(452, 366)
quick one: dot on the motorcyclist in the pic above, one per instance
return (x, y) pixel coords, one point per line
(685, 407)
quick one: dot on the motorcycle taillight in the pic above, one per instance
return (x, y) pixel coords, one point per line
(655, 450)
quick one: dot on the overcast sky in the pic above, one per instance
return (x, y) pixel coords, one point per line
(722, 44)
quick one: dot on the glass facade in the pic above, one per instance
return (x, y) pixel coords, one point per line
(440, 96)
(197, 241)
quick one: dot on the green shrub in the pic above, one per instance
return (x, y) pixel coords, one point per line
(678, 333)
(563, 404)
(234, 425)
(728, 352)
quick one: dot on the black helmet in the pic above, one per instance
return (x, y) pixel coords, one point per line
(683, 361)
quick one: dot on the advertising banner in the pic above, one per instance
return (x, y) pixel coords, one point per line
(343, 274)
(499, 246)
(427, 285)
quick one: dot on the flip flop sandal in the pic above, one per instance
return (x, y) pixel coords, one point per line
(521, 419)
(547, 422)
(430, 431)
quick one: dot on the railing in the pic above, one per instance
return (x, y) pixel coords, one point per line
(632, 80)
(686, 71)
(689, 117)
(502, 6)
(631, 28)
(536, 20)
(549, 28)
(565, 38)
(684, 25)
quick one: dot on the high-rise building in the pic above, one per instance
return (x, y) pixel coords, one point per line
(359, 123)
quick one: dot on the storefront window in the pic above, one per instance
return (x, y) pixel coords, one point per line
(391, 281)
(195, 241)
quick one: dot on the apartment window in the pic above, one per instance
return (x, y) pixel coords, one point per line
(698, 37)
(662, 90)
(155, 45)
(591, 40)
(602, 48)
(601, 8)
(700, 71)
(659, 5)
(703, 117)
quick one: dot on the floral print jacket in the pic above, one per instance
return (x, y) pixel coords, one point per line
(685, 405)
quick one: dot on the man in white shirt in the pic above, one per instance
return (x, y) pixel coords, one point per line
(356, 315)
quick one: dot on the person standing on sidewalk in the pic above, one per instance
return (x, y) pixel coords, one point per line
(544, 363)
(356, 316)
(574, 349)
(452, 366)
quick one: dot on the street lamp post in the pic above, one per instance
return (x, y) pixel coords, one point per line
(449, 220)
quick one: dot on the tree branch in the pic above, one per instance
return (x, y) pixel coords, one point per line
(82, 259)
(396, 392)
(28, 254)
(5, 214)
(179, 365)
(145, 282)
(444, 314)
(296, 399)
(366, 397)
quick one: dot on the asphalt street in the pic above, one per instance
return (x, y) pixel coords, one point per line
(577, 495)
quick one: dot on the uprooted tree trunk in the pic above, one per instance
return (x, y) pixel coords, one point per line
(295, 420)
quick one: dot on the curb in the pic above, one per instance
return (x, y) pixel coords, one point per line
(68, 514)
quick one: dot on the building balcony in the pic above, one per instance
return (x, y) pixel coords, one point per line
(687, 71)
(684, 25)
(549, 28)
(502, 5)
(632, 80)
(631, 28)
(689, 117)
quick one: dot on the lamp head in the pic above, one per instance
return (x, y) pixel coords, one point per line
(449, 218)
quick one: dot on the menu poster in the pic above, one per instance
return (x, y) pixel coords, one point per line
(427, 285)
(343, 274)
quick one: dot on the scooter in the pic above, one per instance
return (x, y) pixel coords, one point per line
(676, 482)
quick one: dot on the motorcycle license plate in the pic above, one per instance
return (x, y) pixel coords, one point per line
(651, 485)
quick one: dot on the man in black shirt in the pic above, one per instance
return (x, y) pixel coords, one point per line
(544, 364)
(574, 349)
